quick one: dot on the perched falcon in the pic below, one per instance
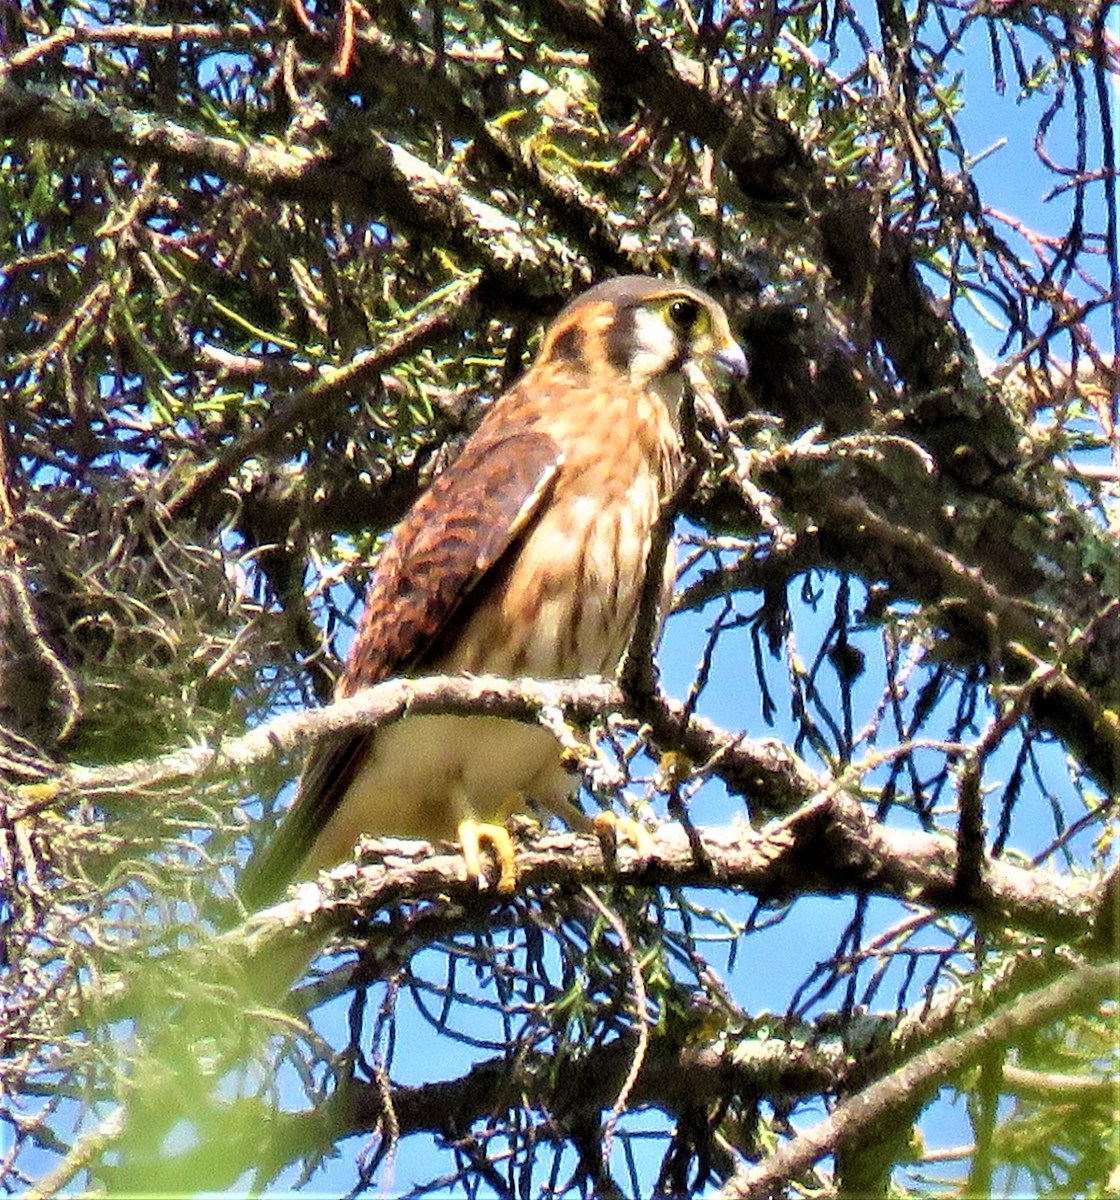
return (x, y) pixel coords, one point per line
(527, 556)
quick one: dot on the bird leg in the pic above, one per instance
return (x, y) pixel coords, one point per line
(607, 826)
(471, 834)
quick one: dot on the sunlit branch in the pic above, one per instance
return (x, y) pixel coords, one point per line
(1078, 991)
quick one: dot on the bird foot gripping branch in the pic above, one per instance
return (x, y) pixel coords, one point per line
(611, 829)
(471, 834)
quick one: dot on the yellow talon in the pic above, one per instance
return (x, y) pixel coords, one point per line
(471, 835)
(624, 829)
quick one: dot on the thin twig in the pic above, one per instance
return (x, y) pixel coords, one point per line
(88, 1148)
(313, 401)
(641, 1020)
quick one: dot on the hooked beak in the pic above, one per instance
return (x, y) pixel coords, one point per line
(732, 359)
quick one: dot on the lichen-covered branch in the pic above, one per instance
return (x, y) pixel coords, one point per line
(1079, 990)
(829, 847)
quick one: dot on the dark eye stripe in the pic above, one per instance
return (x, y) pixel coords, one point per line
(620, 340)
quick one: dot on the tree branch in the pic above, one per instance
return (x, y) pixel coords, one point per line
(830, 847)
(382, 179)
(762, 766)
(696, 1067)
(239, 35)
(1057, 1087)
(672, 1077)
(1079, 990)
(314, 402)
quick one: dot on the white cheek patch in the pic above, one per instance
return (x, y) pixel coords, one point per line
(655, 346)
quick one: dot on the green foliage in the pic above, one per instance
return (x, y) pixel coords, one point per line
(264, 269)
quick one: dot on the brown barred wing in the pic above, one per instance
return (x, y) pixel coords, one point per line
(436, 558)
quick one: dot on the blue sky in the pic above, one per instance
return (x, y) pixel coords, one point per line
(772, 963)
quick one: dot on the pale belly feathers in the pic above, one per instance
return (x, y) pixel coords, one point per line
(426, 774)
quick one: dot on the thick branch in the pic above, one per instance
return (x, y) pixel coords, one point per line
(689, 1068)
(673, 1076)
(369, 709)
(440, 85)
(830, 847)
(763, 153)
(790, 1063)
(767, 159)
(760, 766)
(383, 179)
(1076, 992)
(294, 173)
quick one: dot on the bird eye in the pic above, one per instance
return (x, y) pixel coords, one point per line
(684, 313)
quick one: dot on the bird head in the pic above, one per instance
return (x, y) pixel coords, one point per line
(660, 333)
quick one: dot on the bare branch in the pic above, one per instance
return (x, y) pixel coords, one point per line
(370, 708)
(233, 34)
(829, 847)
(763, 766)
(1081, 989)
